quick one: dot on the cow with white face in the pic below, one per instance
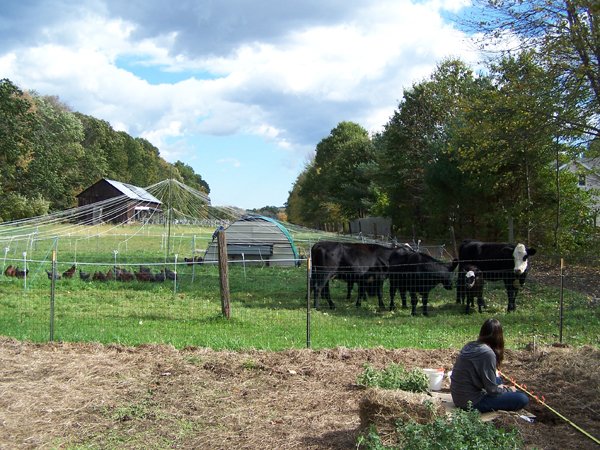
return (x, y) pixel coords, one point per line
(497, 262)
(473, 286)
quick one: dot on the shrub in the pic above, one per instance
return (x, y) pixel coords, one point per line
(464, 430)
(394, 376)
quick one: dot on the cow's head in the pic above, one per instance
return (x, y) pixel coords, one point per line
(447, 275)
(520, 256)
(470, 278)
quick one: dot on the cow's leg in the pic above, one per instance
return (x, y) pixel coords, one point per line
(511, 291)
(480, 303)
(425, 296)
(470, 302)
(403, 296)
(393, 289)
(319, 292)
(320, 285)
(460, 288)
(414, 300)
(327, 296)
(380, 294)
(350, 285)
(362, 293)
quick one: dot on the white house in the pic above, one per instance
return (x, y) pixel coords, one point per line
(588, 172)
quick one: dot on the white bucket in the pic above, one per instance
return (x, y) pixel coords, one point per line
(436, 376)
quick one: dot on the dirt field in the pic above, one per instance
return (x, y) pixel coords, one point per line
(93, 396)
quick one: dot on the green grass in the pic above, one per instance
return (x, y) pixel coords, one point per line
(268, 311)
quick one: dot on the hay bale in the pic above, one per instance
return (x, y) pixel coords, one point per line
(383, 408)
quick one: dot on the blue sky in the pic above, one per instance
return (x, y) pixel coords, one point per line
(240, 90)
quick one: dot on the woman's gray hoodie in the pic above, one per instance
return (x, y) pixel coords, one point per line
(474, 375)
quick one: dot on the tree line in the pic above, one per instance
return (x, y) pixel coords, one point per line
(474, 152)
(49, 154)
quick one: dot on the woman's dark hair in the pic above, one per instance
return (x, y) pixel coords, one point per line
(492, 335)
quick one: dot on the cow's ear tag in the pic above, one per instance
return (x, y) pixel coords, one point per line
(516, 283)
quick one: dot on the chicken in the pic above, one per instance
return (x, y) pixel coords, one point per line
(99, 276)
(84, 275)
(69, 273)
(21, 273)
(56, 275)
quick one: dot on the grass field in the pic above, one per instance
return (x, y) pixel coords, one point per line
(268, 311)
(268, 304)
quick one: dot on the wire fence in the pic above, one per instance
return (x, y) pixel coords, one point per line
(179, 303)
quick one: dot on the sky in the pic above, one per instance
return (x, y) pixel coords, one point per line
(240, 90)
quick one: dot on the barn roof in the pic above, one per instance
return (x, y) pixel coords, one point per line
(133, 192)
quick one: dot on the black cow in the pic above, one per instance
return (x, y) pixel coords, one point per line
(417, 273)
(473, 285)
(366, 264)
(498, 262)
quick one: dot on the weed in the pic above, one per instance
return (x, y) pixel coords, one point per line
(464, 430)
(250, 364)
(395, 376)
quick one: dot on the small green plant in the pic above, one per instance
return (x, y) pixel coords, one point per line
(464, 430)
(194, 360)
(250, 364)
(131, 412)
(395, 376)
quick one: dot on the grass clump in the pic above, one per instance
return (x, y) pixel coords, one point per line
(464, 430)
(395, 376)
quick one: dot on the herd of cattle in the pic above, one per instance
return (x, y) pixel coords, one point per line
(369, 265)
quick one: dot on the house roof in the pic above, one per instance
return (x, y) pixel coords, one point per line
(591, 164)
(133, 192)
(129, 190)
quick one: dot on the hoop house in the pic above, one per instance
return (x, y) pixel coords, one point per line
(257, 239)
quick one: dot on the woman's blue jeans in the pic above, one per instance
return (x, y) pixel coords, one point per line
(508, 401)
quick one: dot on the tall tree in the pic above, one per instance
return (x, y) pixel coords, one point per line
(506, 145)
(17, 124)
(338, 180)
(411, 151)
(191, 178)
(566, 37)
(54, 170)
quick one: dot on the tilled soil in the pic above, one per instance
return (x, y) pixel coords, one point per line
(95, 396)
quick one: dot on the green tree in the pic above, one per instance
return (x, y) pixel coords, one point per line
(191, 178)
(98, 135)
(505, 143)
(295, 206)
(411, 152)
(54, 170)
(339, 179)
(17, 122)
(566, 36)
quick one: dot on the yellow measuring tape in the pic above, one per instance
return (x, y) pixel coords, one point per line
(543, 402)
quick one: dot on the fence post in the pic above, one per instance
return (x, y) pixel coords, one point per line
(308, 276)
(25, 270)
(193, 258)
(562, 279)
(175, 278)
(223, 273)
(52, 290)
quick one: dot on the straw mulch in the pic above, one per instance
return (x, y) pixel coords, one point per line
(383, 408)
(154, 396)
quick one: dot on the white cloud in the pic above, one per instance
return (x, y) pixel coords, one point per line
(289, 76)
(233, 162)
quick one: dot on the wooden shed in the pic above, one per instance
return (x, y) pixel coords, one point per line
(257, 240)
(116, 202)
